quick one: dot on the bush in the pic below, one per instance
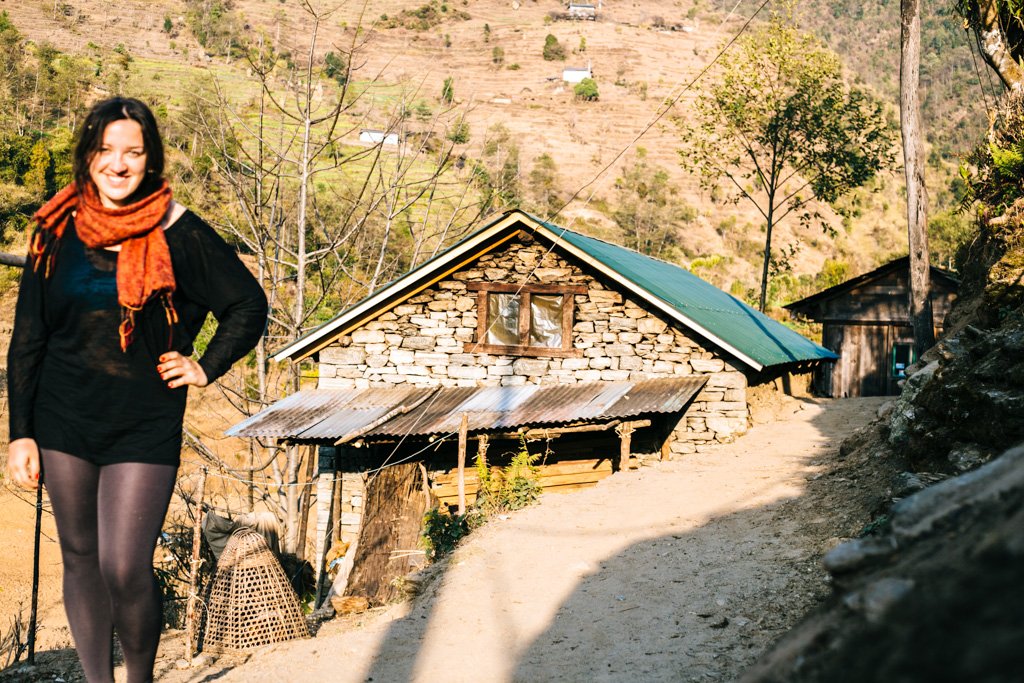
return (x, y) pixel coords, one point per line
(442, 532)
(553, 50)
(335, 67)
(586, 90)
(498, 55)
(459, 133)
(448, 90)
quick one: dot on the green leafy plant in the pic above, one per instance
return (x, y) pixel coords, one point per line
(448, 90)
(510, 488)
(586, 90)
(442, 532)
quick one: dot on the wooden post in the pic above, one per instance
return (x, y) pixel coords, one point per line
(625, 431)
(336, 506)
(193, 576)
(463, 437)
(426, 485)
(482, 443)
(304, 502)
(324, 489)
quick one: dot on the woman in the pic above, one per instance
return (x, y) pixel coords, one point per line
(119, 281)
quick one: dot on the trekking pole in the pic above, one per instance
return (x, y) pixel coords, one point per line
(35, 578)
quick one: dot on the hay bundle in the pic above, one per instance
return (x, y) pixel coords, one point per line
(251, 603)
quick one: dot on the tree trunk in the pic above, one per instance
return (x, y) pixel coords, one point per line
(993, 44)
(767, 252)
(913, 161)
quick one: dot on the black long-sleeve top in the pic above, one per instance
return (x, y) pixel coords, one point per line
(72, 388)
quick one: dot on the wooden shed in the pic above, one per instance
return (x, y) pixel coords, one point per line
(866, 321)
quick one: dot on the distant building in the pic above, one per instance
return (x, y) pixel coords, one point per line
(866, 320)
(574, 74)
(578, 10)
(379, 137)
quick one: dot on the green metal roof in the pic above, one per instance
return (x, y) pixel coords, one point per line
(746, 329)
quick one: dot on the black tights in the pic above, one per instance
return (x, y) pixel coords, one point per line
(108, 519)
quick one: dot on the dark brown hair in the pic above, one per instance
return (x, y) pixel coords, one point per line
(90, 139)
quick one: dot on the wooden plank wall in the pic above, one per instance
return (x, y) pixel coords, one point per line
(864, 357)
(556, 477)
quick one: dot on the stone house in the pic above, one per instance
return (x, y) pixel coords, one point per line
(528, 329)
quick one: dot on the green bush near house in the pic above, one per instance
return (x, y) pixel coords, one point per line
(586, 90)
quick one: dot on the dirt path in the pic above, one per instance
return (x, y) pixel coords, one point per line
(684, 571)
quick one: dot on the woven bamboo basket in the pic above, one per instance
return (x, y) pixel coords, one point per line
(251, 603)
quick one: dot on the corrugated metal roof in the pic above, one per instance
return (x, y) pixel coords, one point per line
(508, 408)
(328, 415)
(724, 320)
(318, 414)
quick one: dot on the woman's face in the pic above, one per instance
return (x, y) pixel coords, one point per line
(119, 166)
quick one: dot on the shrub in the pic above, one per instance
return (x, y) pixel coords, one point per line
(448, 90)
(553, 50)
(498, 55)
(442, 532)
(586, 90)
(459, 133)
(335, 67)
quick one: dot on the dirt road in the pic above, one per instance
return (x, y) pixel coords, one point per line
(684, 571)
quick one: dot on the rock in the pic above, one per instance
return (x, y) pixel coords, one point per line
(907, 483)
(874, 600)
(350, 604)
(919, 514)
(857, 554)
(885, 410)
(967, 457)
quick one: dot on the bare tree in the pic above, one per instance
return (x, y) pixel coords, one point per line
(325, 219)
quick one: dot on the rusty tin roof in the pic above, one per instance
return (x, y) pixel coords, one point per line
(322, 415)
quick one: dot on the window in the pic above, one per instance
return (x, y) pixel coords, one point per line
(902, 356)
(525, 320)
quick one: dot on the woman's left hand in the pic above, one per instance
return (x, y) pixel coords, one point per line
(178, 370)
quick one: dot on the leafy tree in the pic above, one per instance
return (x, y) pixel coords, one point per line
(40, 176)
(448, 90)
(949, 233)
(336, 67)
(647, 209)
(586, 90)
(497, 173)
(543, 183)
(780, 127)
(553, 50)
(459, 132)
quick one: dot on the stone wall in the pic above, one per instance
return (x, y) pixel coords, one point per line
(421, 342)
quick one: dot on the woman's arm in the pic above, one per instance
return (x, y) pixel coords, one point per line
(210, 273)
(24, 361)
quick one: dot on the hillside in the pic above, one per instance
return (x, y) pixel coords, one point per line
(637, 62)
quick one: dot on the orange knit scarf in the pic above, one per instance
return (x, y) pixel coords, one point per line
(144, 268)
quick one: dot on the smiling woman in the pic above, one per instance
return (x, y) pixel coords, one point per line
(119, 282)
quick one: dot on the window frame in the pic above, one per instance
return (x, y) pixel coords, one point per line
(485, 289)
